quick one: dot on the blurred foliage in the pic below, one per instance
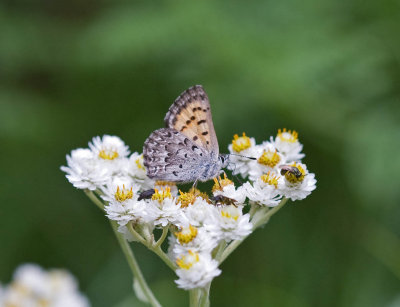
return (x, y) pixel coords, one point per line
(71, 70)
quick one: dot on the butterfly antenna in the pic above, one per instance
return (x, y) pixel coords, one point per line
(251, 158)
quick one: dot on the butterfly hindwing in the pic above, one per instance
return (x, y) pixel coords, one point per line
(190, 114)
(171, 156)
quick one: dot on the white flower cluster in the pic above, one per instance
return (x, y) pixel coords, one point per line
(33, 286)
(201, 225)
(277, 170)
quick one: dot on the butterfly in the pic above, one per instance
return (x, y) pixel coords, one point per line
(187, 149)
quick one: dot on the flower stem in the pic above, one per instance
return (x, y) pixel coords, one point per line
(194, 296)
(263, 219)
(94, 199)
(219, 249)
(205, 296)
(137, 273)
(154, 248)
(159, 252)
(136, 235)
(253, 209)
(163, 236)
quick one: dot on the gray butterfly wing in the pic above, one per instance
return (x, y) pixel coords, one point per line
(169, 155)
(190, 114)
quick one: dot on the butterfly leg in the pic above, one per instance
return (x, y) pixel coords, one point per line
(219, 182)
(194, 186)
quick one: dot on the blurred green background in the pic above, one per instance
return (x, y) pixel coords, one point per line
(71, 70)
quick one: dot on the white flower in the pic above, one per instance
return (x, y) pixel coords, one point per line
(297, 188)
(109, 147)
(84, 170)
(241, 148)
(228, 223)
(127, 209)
(196, 270)
(288, 144)
(171, 246)
(136, 167)
(33, 286)
(163, 208)
(111, 151)
(263, 192)
(137, 170)
(117, 186)
(231, 192)
(196, 239)
(268, 159)
(2, 293)
(198, 212)
(165, 212)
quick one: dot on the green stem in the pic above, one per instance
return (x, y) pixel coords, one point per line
(253, 209)
(134, 266)
(159, 252)
(94, 199)
(137, 273)
(194, 296)
(259, 222)
(136, 235)
(219, 250)
(205, 296)
(163, 236)
(231, 247)
(263, 220)
(154, 248)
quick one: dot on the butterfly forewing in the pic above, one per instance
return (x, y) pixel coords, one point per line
(171, 156)
(190, 115)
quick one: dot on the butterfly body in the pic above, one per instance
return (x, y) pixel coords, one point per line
(187, 150)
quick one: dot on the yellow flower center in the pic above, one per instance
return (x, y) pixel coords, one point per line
(187, 234)
(108, 154)
(20, 288)
(287, 135)
(123, 194)
(201, 194)
(292, 177)
(186, 199)
(269, 158)
(163, 184)
(219, 183)
(139, 162)
(270, 179)
(187, 261)
(240, 143)
(161, 194)
(43, 302)
(230, 213)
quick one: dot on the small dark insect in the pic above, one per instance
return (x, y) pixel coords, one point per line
(223, 200)
(146, 194)
(291, 169)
